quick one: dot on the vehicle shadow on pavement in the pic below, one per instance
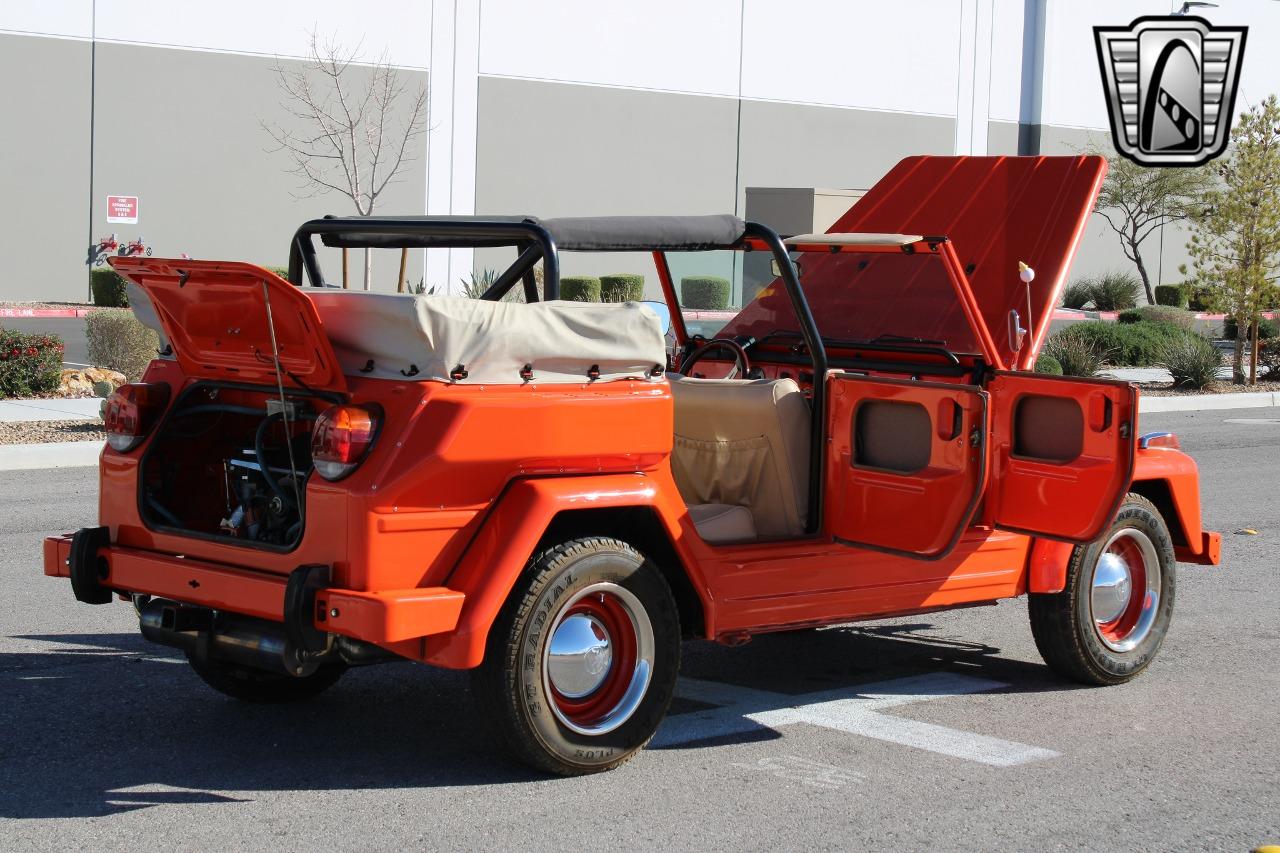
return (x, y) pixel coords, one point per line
(103, 723)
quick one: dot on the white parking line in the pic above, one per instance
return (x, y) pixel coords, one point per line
(853, 710)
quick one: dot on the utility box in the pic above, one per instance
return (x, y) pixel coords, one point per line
(790, 210)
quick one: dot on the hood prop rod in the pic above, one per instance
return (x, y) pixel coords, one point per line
(284, 408)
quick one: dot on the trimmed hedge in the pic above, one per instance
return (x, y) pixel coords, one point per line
(1199, 298)
(1138, 344)
(117, 341)
(1130, 316)
(1166, 314)
(580, 288)
(29, 364)
(621, 287)
(108, 289)
(1047, 364)
(1267, 329)
(704, 292)
(1172, 295)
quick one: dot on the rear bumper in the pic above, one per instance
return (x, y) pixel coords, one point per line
(382, 617)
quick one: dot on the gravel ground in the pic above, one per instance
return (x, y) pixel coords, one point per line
(1164, 389)
(39, 432)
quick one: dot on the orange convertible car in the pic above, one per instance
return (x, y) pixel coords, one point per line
(553, 493)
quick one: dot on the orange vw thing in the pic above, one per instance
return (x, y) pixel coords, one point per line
(553, 495)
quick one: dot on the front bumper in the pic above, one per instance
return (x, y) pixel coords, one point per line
(382, 617)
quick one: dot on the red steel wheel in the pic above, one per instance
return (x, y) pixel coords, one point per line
(599, 660)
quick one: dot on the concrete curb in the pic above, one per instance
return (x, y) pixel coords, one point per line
(43, 313)
(1208, 402)
(54, 454)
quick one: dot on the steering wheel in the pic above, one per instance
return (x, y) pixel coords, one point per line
(742, 364)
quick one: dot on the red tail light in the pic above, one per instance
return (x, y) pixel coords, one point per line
(340, 439)
(131, 412)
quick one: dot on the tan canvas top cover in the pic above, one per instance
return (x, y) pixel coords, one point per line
(388, 336)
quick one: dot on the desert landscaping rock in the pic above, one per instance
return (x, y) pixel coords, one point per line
(42, 432)
(80, 382)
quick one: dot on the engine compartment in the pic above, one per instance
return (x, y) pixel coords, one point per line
(231, 463)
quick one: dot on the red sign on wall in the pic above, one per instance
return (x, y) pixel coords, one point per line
(122, 209)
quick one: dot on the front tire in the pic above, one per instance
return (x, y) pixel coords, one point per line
(257, 685)
(1110, 620)
(582, 662)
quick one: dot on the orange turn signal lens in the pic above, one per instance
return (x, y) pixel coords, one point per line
(1159, 439)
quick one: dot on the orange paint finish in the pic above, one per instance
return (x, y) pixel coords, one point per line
(1209, 554)
(1047, 565)
(388, 617)
(511, 532)
(1178, 472)
(196, 582)
(57, 550)
(868, 505)
(1074, 498)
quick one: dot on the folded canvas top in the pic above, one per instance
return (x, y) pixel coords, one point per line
(394, 336)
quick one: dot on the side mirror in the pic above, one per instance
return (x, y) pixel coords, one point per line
(1017, 334)
(663, 312)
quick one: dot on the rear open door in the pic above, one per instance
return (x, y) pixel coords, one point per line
(1062, 452)
(906, 463)
(219, 317)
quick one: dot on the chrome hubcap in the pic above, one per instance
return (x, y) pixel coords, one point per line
(1112, 586)
(1124, 590)
(580, 655)
(598, 660)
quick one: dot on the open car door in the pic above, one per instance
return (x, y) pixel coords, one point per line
(906, 463)
(1062, 453)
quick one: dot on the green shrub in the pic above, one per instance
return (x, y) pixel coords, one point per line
(1267, 329)
(283, 272)
(1165, 314)
(621, 287)
(29, 364)
(1269, 359)
(108, 289)
(1199, 298)
(1122, 344)
(1047, 364)
(1192, 360)
(1077, 294)
(1076, 355)
(580, 288)
(704, 292)
(1115, 291)
(1172, 295)
(1130, 316)
(117, 341)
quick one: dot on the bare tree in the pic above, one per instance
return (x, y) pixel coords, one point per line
(1137, 200)
(356, 125)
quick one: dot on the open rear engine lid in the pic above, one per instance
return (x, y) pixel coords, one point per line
(996, 211)
(214, 313)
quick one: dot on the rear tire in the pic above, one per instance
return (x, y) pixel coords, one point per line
(257, 685)
(582, 662)
(1110, 619)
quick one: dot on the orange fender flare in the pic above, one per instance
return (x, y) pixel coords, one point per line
(494, 560)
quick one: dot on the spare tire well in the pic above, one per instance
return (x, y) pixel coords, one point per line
(639, 527)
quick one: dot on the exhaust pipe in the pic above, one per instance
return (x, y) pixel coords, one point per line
(243, 640)
(228, 637)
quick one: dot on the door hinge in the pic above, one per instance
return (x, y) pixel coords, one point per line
(1125, 430)
(975, 437)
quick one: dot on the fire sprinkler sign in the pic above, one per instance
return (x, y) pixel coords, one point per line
(122, 209)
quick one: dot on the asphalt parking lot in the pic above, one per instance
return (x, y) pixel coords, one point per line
(939, 732)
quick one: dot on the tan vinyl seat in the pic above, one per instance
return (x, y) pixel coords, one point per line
(742, 443)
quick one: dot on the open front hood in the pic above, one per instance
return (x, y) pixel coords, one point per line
(214, 313)
(996, 211)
